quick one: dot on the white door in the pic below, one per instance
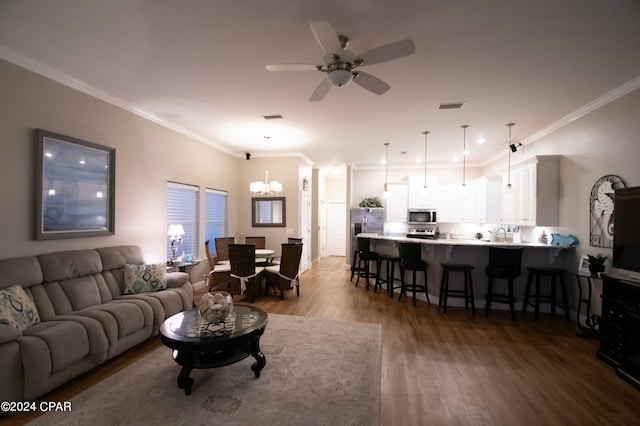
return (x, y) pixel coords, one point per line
(322, 228)
(336, 229)
(305, 231)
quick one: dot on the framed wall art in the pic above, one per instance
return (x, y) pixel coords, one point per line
(601, 210)
(75, 187)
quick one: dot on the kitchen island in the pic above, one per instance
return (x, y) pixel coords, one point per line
(476, 253)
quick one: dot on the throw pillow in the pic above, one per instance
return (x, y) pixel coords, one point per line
(17, 309)
(140, 278)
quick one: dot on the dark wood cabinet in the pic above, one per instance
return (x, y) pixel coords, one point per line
(620, 327)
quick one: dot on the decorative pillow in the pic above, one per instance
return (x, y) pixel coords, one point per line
(140, 278)
(17, 309)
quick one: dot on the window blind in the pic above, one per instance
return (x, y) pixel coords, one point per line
(182, 208)
(215, 216)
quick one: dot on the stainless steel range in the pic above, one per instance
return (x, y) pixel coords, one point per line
(425, 231)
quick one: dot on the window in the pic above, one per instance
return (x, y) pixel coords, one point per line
(215, 216)
(182, 208)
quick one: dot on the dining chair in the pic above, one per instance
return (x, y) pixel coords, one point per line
(292, 240)
(285, 276)
(260, 242)
(245, 275)
(218, 277)
(222, 248)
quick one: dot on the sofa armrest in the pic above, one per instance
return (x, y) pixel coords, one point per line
(176, 279)
(8, 333)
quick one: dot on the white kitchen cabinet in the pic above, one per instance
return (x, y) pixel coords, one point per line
(468, 202)
(488, 199)
(396, 205)
(534, 200)
(417, 198)
(456, 204)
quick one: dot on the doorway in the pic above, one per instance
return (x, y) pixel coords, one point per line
(336, 229)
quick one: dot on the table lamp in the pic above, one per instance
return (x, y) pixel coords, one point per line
(175, 232)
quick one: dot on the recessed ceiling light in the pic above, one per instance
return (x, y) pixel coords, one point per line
(480, 141)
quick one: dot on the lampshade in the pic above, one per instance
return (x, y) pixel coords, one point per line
(175, 230)
(340, 77)
(267, 187)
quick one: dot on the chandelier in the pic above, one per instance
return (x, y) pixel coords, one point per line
(267, 187)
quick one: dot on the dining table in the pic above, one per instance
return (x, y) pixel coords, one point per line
(265, 256)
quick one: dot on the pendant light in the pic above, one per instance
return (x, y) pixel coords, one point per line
(509, 186)
(267, 187)
(463, 190)
(425, 190)
(385, 194)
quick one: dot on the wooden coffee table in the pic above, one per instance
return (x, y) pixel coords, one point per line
(197, 343)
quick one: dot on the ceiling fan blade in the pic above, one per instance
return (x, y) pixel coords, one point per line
(388, 52)
(326, 36)
(371, 83)
(321, 91)
(293, 67)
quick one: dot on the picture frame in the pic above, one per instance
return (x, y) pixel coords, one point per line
(583, 265)
(74, 187)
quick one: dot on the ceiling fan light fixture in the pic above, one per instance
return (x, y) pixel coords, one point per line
(340, 77)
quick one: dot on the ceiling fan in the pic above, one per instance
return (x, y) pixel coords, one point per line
(340, 63)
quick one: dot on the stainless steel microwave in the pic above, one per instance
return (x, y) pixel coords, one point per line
(422, 217)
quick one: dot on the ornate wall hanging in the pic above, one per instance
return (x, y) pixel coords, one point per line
(601, 207)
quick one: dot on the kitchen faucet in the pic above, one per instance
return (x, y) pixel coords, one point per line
(504, 232)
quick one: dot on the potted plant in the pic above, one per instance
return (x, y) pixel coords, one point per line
(596, 263)
(370, 202)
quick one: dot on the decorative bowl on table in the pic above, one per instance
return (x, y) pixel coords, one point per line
(215, 307)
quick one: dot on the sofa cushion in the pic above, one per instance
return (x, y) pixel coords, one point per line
(22, 271)
(141, 278)
(63, 265)
(17, 309)
(118, 256)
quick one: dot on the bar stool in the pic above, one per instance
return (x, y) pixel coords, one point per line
(389, 278)
(504, 263)
(411, 260)
(550, 298)
(467, 293)
(366, 256)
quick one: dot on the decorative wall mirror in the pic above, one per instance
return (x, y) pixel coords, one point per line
(268, 211)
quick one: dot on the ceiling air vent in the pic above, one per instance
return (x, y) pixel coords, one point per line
(452, 105)
(272, 117)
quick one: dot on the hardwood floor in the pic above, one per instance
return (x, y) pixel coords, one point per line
(451, 369)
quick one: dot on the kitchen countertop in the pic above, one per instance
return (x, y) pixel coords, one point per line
(462, 242)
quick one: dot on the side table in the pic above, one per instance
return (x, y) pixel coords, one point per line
(591, 328)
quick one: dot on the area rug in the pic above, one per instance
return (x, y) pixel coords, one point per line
(318, 372)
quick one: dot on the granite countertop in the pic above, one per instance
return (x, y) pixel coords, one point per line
(462, 242)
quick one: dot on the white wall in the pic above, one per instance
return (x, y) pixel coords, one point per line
(147, 156)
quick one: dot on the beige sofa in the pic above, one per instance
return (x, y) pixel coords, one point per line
(84, 317)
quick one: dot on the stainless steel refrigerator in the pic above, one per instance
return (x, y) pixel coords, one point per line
(369, 220)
